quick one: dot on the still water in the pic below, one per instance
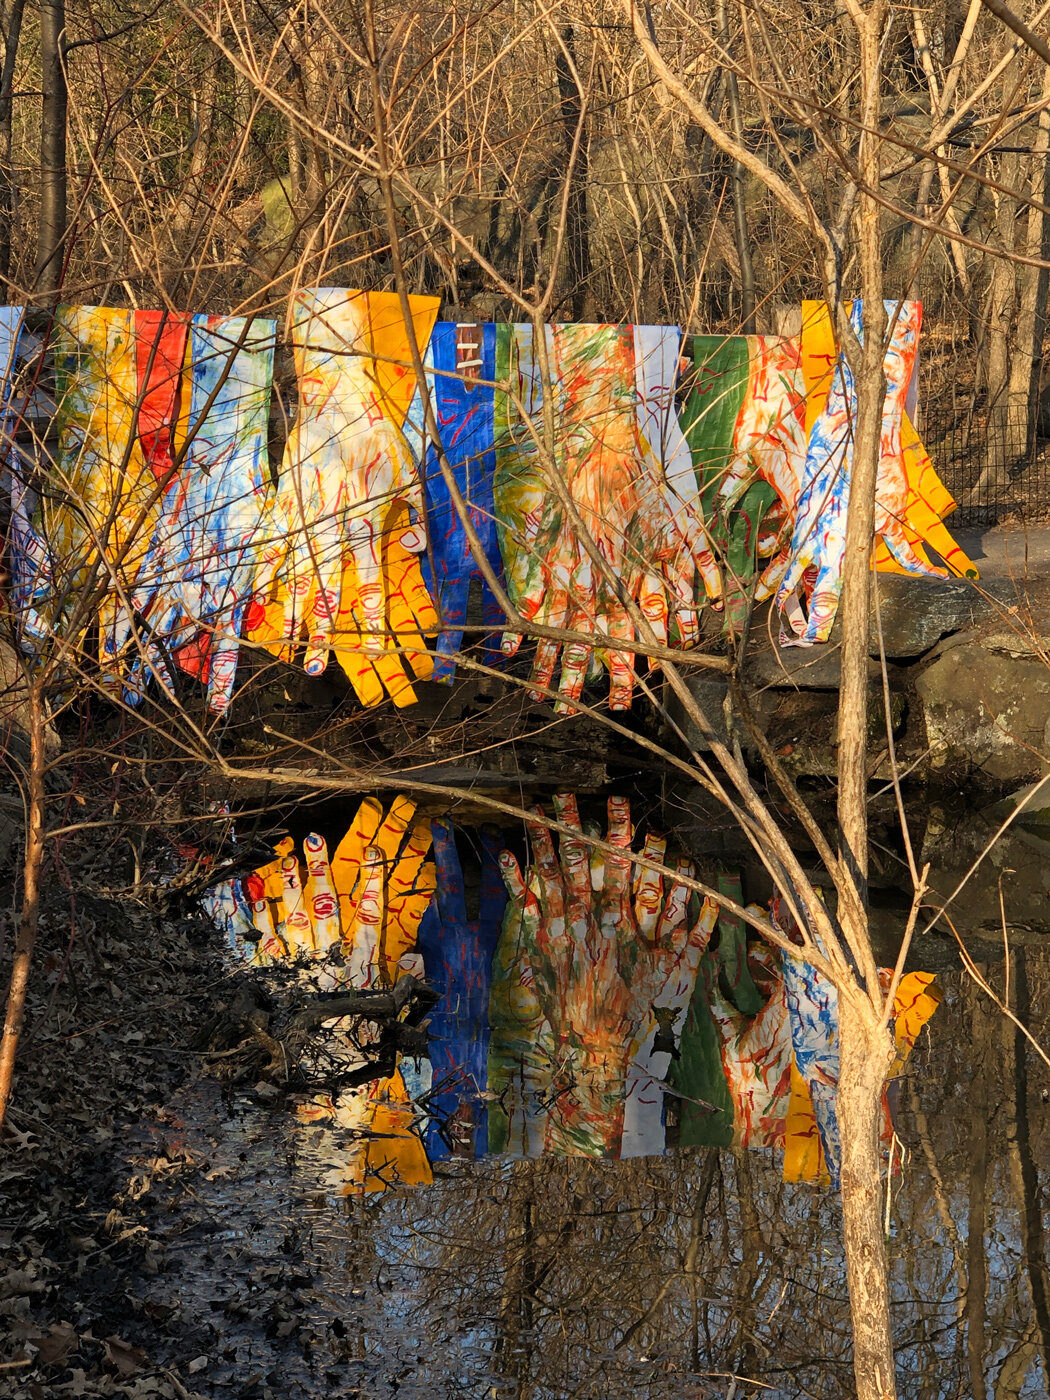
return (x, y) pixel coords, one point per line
(699, 1273)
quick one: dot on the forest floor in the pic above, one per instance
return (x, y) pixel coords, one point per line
(116, 997)
(161, 1235)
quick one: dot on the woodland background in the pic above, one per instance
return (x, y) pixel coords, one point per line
(219, 155)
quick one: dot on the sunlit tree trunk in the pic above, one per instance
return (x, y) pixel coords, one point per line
(1002, 291)
(32, 863)
(865, 1057)
(865, 1044)
(7, 179)
(1027, 345)
(53, 210)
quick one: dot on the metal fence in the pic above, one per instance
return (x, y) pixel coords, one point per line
(989, 477)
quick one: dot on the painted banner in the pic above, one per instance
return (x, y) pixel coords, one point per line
(197, 579)
(341, 569)
(461, 360)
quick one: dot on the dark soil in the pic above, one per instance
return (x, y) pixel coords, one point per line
(117, 994)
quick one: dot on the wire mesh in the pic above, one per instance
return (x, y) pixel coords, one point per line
(995, 464)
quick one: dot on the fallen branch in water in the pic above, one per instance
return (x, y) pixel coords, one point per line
(259, 1039)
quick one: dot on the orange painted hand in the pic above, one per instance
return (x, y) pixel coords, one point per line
(358, 911)
(637, 512)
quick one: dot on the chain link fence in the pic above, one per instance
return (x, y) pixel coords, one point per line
(993, 470)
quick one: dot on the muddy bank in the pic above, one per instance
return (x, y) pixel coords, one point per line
(117, 994)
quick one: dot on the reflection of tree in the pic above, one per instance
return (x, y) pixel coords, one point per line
(587, 1266)
(977, 1211)
(1024, 1174)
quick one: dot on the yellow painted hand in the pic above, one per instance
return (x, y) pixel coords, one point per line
(341, 571)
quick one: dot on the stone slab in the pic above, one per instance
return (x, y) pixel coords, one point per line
(986, 711)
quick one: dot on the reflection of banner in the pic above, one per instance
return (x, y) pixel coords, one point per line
(564, 1009)
(599, 958)
(350, 920)
(457, 954)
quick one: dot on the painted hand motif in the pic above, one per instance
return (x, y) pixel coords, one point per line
(353, 918)
(819, 537)
(756, 1053)
(677, 509)
(161, 340)
(769, 432)
(595, 973)
(104, 502)
(631, 505)
(744, 424)
(457, 956)
(31, 561)
(462, 360)
(358, 911)
(341, 569)
(676, 952)
(813, 1147)
(197, 579)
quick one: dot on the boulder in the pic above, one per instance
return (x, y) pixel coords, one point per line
(987, 711)
(799, 668)
(917, 612)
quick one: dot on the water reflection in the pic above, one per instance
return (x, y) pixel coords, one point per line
(537, 1255)
(586, 1006)
(658, 1277)
(643, 1277)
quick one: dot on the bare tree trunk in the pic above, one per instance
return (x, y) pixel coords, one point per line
(53, 210)
(7, 176)
(865, 1046)
(577, 230)
(865, 1058)
(743, 248)
(32, 862)
(193, 192)
(1002, 291)
(1026, 360)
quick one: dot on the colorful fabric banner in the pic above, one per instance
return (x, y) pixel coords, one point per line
(96, 517)
(636, 537)
(341, 570)
(197, 578)
(742, 422)
(910, 500)
(162, 485)
(462, 364)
